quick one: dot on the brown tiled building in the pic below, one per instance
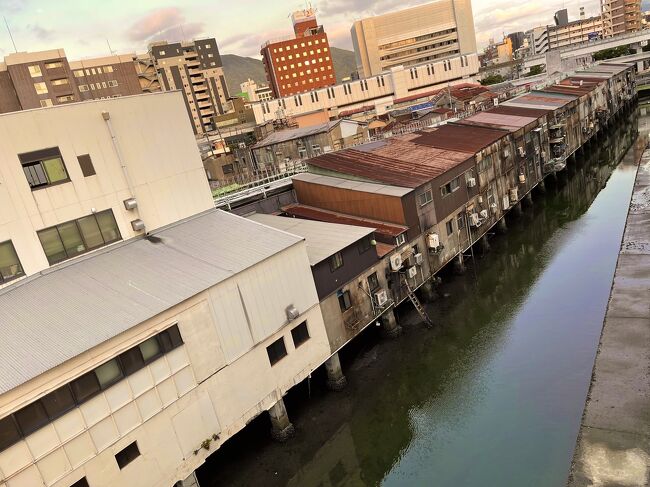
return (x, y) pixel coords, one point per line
(301, 63)
(46, 78)
(620, 16)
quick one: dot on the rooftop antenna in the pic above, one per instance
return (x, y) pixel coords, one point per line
(10, 36)
(109, 48)
(183, 32)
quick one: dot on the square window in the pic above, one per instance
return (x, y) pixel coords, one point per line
(127, 455)
(131, 360)
(35, 71)
(85, 387)
(86, 164)
(336, 261)
(400, 239)
(425, 198)
(150, 349)
(108, 373)
(276, 351)
(300, 334)
(32, 417)
(364, 244)
(345, 303)
(9, 433)
(170, 338)
(58, 402)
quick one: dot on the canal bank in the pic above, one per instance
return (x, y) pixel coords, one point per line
(613, 446)
(498, 386)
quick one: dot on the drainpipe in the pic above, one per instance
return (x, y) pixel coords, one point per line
(107, 118)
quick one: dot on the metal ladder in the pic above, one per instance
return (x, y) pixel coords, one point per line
(416, 303)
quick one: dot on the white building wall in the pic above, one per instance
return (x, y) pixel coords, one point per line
(158, 149)
(379, 91)
(212, 385)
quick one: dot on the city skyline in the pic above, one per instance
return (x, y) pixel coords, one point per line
(37, 25)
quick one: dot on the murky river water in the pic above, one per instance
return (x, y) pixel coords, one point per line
(494, 395)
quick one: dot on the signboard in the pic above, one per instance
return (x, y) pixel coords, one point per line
(421, 106)
(593, 36)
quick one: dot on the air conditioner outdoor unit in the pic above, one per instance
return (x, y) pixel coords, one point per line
(418, 259)
(433, 241)
(522, 151)
(513, 193)
(381, 297)
(479, 199)
(494, 207)
(474, 219)
(471, 182)
(506, 202)
(522, 178)
(484, 213)
(395, 262)
(412, 272)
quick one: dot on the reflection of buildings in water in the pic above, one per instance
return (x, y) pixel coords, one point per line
(334, 464)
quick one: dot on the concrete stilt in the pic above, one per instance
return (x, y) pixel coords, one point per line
(428, 291)
(502, 226)
(459, 264)
(281, 427)
(336, 381)
(389, 326)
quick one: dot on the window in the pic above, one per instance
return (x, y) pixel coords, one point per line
(460, 221)
(43, 168)
(150, 350)
(85, 387)
(86, 165)
(345, 302)
(276, 351)
(108, 69)
(300, 334)
(41, 88)
(127, 455)
(425, 198)
(83, 88)
(64, 99)
(104, 85)
(373, 281)
(131, 361)
(59, 82)
(336, 261)
(9, 433)
(82, 482)
(170, 338)
(450, 227)
(364, 244)
(485, 164)
(46, 103)
(35, 71)
(76, 237)
(400, 239)
(450, 187)
(10, 267)
(31, 418)
(108, 373)
(58, 402)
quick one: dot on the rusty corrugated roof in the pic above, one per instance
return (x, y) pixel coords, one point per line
(399, 161)
(576, 90)
(520, 111)
(542, 99)
(460, 138)
(501, 121)
(312, 213)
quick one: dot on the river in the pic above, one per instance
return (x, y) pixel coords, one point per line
(492, 396)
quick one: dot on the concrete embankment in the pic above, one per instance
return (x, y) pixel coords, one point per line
(613, 447)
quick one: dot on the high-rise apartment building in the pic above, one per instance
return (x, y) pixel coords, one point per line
(46, 78)
(302, 62)
(196, 69)
(417, 35)
(620, 16)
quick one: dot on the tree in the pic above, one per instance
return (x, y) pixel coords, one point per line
(612, 53)
(535, 70)
(492, 79)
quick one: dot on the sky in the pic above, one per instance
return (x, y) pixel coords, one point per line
(84, 28)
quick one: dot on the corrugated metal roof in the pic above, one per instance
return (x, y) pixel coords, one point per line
(520, 111)
(353, 185)
(570, 89)
(291, 134)
(313, 213)
(400, 161)
(64, 311)
(541, 99)
(323, 239)
(461, 138)
(501, 121)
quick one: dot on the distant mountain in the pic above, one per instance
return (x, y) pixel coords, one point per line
(239, 68)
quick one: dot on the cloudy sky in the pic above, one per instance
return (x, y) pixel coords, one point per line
(82, 27)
